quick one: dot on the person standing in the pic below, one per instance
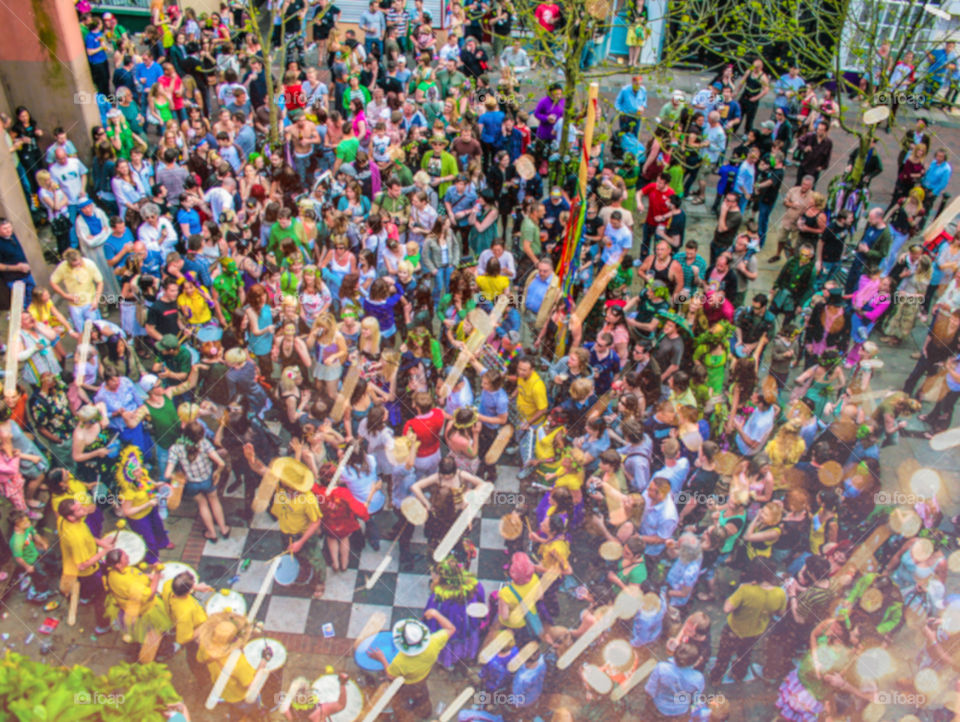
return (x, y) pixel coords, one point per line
(79, 282)
(82, 553)
(658, 191)
(71, 175)
(13, 261)
(753, 85)
(796, 201)
(374, 26)
(631, 103)
(748, 611)
(96, 46)
(674, 685)
(936, 179)
(873, 248)
(816, 148)
(767, 188)
(531, 407)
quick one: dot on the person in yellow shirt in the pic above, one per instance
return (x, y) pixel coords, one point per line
(554, 551)
(132, 598)
(491, 283)
(42, 309)
(523, 580)
(418, 651)
(79, 282)
(570, 474)
(81, 554)
(186, 614)
(64, 485)
(138, 502)
(297, 511)
(532, 407)
(197, 306)
(217, 638)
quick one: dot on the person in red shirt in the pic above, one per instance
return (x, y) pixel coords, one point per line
(657, 192)
(547, 15)
(293, 96)
(428, 426)
(171, 83)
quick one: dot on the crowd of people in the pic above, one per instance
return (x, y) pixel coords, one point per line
(696, 440)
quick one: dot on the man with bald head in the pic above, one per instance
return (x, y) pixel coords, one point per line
(873, 247)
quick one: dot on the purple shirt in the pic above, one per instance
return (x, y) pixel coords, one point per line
(545, 108)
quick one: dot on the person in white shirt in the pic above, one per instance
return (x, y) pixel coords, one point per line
(156, 232)
(508, 266)
(515, 58)
(450, 51)
(71, 175)
(220, 198)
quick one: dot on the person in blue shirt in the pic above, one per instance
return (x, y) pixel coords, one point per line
(943, 63)
(936, 179)
(674, 685)
(617, 239)
(146, 73)
(459, 200)
(787, 88)
(491, 127)
(631, 103)
(195, 263)
(729, 110)
(528, 681)
(746, 175)
(188, 219)
(493, 407)
(96, 46)
(119, 244)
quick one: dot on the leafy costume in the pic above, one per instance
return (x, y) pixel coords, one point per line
(228, 285)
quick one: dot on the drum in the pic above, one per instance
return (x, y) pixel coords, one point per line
(287, 571)
(327, 689)
(172, 569)
(226, 600)
(252, 651)
(382, 641)
(133, 544)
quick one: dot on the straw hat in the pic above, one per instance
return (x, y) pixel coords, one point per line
(525, 167)
(650, 603)
(726, 462)
(830, 474)
(292, 474)
(871, 600)
(403, 447)
(411, 636)
(222, 633)
(611, 551)
(439, 140)
(511, 526)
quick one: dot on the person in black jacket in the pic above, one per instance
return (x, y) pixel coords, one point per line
(474, 58)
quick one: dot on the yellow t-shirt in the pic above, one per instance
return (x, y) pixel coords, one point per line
(492, 287)
(76, 491)
(555, 555)
(77, 545)
(531, 396)
(507, 595)
(415, 669)
(131, 589)
(241, 678)
(80, 281)
(194, 308)
(136, 497)
(572, 481)
(543, 449)
(754, 606)
(294, 511)
(43, 312)
(186, 612)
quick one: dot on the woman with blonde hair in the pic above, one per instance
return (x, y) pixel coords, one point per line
(462, 438)
(383, 386)
(764, 531)
(293, 400)
(329, 350)
(55, 202)
(368, 345)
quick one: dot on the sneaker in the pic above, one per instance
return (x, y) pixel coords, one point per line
(526, 473)
(101, 630)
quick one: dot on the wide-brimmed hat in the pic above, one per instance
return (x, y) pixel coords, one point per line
(439, 140)
(168, 343)
(292, 474)
(222, 633)
(411, 636)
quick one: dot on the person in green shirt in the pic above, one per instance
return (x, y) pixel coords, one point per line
(531, 246)
(120, 135)
(440, 165)
(347, 148)
(448, 76)
(632, 567)
(285, 228)
(393, 205)
(26, 544)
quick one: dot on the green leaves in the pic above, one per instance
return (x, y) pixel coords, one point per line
(36, 692)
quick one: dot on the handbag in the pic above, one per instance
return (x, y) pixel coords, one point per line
(60, 225)
(534, 623)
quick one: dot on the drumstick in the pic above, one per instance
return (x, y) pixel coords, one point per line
(13, 341)
(293, 691)
(84, 352)
(529, 649)
(176, 491)
(458, 702)
(593, 293)
(503, 639)
(341, 466)
(121, 524)
(499, 444)
(214, 697)
(384, 699)
(484, 326)
(373, 625)
(346, 391)
(259, 679)
(74, 602)
(587, 638)
(456, 531)
(640, 674)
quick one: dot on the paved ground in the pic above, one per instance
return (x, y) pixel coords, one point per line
(296, 621)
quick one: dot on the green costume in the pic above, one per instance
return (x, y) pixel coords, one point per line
(228, 285)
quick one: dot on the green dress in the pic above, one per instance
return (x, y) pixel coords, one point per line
(480, 241)
(820, 393)
(716, 365)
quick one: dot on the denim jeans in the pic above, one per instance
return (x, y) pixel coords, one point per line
(79, 315)
(73, 209)
(302, 165)
(369, 43)
(441, 282)
(763, 220)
